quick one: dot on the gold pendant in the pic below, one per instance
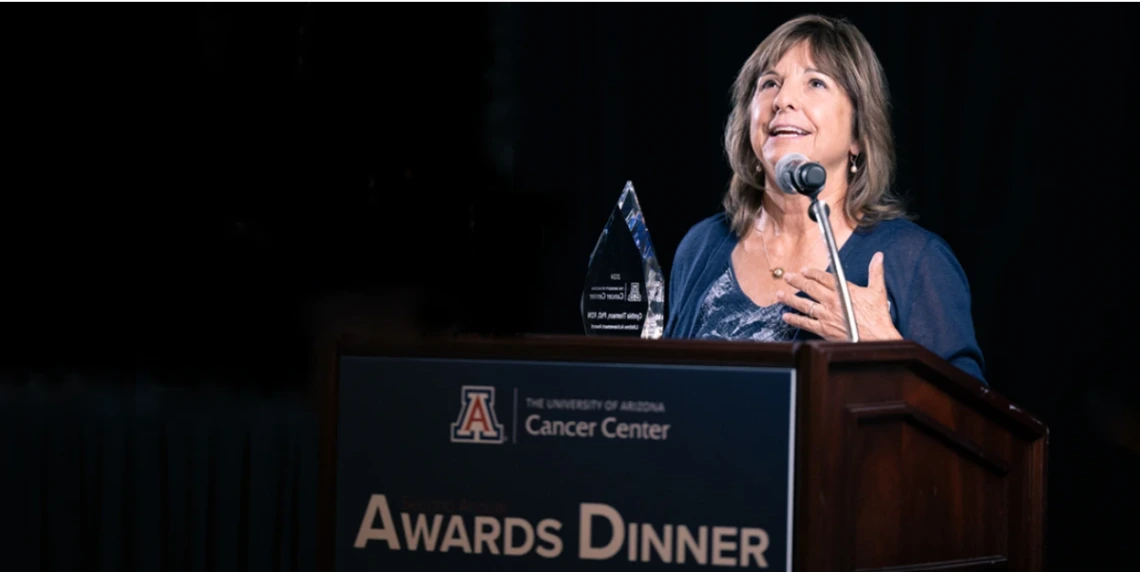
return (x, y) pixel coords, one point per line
(777, 273)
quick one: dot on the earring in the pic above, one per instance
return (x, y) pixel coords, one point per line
(853, 167)
(759, 168)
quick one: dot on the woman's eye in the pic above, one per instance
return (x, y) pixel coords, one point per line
(768, 83)
(817, 83)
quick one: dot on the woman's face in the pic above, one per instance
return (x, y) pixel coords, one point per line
(798, 109)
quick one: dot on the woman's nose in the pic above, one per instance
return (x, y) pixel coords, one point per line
(786, 97)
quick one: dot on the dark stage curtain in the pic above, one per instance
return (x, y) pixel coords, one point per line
(105, 478)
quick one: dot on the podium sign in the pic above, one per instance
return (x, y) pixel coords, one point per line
(481, 464)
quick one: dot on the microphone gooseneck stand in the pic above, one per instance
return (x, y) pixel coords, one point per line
(820, 213)
(797, 174)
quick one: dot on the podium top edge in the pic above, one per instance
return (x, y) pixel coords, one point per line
(613, 349)
(578, 348)
(636, 350)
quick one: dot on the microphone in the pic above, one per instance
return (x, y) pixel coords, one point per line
(797, 175)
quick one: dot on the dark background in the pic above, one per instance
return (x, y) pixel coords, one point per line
(183, 184)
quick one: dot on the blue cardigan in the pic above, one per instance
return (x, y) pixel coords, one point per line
(928, 290)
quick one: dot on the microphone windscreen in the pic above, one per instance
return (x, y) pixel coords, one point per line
(786, 168)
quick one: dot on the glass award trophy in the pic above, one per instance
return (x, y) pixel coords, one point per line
(625, 291)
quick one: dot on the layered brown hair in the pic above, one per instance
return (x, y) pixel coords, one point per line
(840, 51)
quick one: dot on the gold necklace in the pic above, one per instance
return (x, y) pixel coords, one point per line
(778, 272)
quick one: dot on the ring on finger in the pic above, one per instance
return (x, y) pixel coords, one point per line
(811, 312)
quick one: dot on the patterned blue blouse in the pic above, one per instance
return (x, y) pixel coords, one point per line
(727, 313)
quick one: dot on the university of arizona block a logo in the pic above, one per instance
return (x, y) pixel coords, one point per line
(477, 421)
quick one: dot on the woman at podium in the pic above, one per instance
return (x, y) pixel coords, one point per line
(759, 270)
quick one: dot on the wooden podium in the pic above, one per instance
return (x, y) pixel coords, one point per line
(902, 461)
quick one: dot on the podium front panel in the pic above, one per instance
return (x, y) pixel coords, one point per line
(498, 464)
